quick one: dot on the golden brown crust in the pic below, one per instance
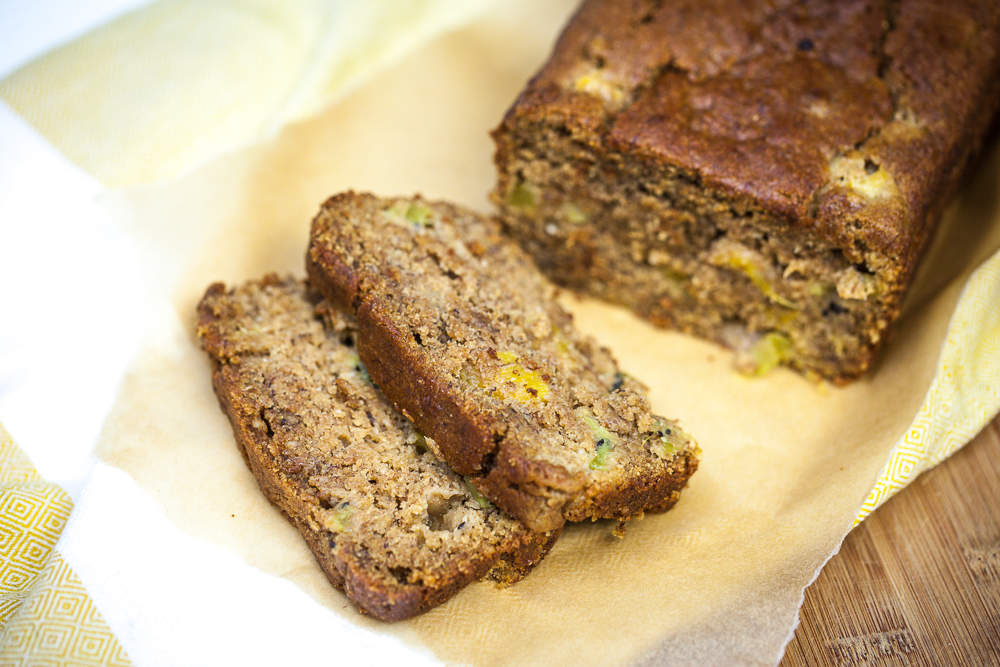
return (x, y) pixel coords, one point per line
(822, 137)
(464, 336)
(391, 525)
(467, 432)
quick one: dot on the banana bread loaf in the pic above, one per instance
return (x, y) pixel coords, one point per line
(763, 174)
(463, 334)
(388, 522)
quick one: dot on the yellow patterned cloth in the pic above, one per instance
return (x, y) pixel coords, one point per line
(46, 616)
(962, 398)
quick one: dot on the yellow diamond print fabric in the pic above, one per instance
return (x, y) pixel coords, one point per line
(964, 395)
(59, 625)
(46, 616)
(32, 514)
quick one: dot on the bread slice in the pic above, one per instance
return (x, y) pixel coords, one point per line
(464, 335)
(389, 523)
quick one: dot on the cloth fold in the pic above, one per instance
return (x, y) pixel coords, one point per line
(156, 91)
(964, 394)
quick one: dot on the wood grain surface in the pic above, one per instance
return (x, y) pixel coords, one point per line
(918, 582)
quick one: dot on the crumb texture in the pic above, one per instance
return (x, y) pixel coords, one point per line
(389, 523)
(464, 335)
(744, 169)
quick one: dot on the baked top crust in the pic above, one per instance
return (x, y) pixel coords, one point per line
(854, 117)
(464, 335)
(388, 522)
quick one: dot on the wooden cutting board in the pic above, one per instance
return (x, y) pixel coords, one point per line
(918, 583)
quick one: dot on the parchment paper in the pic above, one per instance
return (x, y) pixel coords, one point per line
(718, 580)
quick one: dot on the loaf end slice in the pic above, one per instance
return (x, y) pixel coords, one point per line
(465, 336)
(388, 522)
(766, 176)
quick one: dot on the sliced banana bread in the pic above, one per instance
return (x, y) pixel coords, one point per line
(464, 335)
(389, 523)
(764, 174)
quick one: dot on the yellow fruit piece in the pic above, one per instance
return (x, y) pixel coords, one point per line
(769, 352)
(605, 439)
(600, 84)
(513, 380)
(753, 272)
(523, 196)
(406, 213)
(338, 520)
(480, 499)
